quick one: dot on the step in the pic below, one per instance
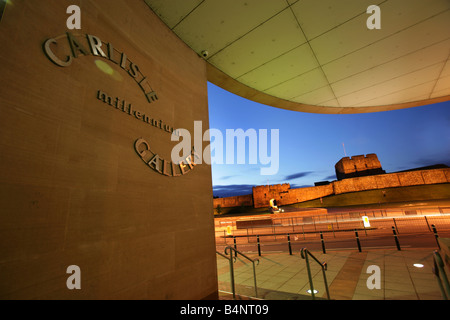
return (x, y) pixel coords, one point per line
(248, 293)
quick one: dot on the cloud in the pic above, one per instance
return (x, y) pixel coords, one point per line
(296, 186)
(332, 177)
(298, 175)
(424, 161)
(232, 190)
(429, 161)
(227, 177)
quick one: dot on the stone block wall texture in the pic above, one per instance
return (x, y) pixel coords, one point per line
(73, 190)
(263, 194)
(358, 166)
(285, 195)
(305, 194)
(434, 176)
(237, 201)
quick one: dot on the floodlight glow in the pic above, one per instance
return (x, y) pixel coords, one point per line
(309, 291)
(106, 68)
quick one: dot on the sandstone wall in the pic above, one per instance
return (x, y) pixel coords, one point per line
(263, 194)
(285, 195)
(237, 201)
(392, 180)
(358, 166)
(73, 189)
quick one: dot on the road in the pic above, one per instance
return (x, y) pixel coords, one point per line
(338, 229)
(410, 234)
(420, 240)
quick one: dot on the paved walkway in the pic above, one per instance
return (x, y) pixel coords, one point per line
(283, 277)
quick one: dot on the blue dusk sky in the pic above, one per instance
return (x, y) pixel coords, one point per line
(310, 144)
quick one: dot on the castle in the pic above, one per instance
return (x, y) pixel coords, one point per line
(358, 173)
(358, 166)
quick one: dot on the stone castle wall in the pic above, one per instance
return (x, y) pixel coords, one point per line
(285, 195)
(230, 202)
(263, 194)
(358, 166)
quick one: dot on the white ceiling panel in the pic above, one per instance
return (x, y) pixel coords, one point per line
(442, 87)
(270, 40)
(291, 2)
(287, 66)
(317, 96)
(331, 103)
(446, 70)
(354, 35)
(443, 92)
(215, 23)
(259, 49)
(307, 82)
(384, 72)
(400, 44)
(394, 85)
(176, 12)
(415, 93)
(317, 17)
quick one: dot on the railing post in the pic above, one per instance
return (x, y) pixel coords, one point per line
(396, 238)
(324, 268)
(259, 245)
(232, 269)
(289, 243)
(233, 289)
(357, 240)
(436, 236)
(235, 246)
(323, 242)
(254, 279)
(428, 225)
(395, 224)
(438, 269)
(304, 254)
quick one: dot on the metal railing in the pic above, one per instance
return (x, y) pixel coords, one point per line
(222, 255)
(314, 242)
(377, 232)
(231, 261)
(304, 254)
(341, 222)
(441, 276)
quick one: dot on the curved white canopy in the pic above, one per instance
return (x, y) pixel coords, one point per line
(319, 55)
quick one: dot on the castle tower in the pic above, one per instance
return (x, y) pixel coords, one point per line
(358, 166)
